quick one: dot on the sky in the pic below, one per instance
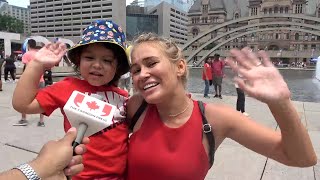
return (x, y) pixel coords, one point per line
(25, 3)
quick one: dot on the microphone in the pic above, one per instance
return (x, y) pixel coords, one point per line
(88, 114)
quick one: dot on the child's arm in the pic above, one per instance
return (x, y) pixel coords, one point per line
(25, 92)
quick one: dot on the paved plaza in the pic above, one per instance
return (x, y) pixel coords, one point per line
(232, 161)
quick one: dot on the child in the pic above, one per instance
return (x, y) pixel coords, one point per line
(100, 59)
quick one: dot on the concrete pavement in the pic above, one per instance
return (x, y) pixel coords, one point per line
(232, 161)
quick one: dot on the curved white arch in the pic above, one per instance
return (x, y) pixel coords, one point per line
(67, 41)
(195, 52)
(304, 17)
(40, 39)
(249, 32)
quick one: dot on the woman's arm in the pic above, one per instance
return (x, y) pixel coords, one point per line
(292, 145)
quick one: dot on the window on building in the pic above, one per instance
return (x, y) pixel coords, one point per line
(276, 9)
(236, 16)
(287, 36)
(296, 36)
(281, 10)
(306, 36)
(305, 46)
(265, 11)
(205, 8)
(286, 10)
(270, 10)
(254, 11)
(277, 36)
(298, 9)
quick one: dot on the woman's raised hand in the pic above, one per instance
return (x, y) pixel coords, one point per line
(51, 54)
(260, 79)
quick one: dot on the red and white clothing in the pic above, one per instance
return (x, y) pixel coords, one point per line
(29, 56)
(206, 73)
(217, 68)
(158, 152)
(107, 150)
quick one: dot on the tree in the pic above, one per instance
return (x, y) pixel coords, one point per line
(10, 24)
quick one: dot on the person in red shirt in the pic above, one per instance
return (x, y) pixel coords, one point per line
(100, 58)
(206, 76)
(26, 59)
(217, 66)
(169, 140)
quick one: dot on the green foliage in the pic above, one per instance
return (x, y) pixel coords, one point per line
(10, 24)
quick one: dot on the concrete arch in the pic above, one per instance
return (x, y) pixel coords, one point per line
(247, 19)
(245, 27)
(66, 41)
(40, 39)
(249, 32)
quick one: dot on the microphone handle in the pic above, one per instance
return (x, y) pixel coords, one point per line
(80, 134)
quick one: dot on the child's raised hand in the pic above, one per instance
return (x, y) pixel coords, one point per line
(51, 54)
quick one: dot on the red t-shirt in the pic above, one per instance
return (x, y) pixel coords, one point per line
(107, 151)
(158, 152)
(217, 68)
(206, 71)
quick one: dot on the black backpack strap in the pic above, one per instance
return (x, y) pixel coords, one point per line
(137, 114)
(207, 129)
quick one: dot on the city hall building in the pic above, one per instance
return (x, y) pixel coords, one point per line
(288, 29)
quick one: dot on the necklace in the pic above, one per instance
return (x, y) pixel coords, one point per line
(184, 110)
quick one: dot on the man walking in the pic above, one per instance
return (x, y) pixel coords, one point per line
(217, 74)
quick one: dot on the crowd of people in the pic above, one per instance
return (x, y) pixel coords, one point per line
(169, 130)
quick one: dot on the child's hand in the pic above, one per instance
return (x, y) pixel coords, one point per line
(51, 54)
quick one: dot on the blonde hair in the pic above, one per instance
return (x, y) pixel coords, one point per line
(169, 47)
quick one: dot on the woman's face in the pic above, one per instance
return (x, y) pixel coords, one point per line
(153, 75)
(97, 64)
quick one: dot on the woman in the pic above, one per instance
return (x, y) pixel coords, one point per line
(9, 67)
(167, 142)
(207, 77)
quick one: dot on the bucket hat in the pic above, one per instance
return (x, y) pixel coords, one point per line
(103, 31)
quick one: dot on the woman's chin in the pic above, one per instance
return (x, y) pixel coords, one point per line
(152, 98)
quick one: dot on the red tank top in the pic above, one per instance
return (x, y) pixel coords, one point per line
(158, 152)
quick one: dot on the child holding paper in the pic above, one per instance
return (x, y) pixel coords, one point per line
(100, 58)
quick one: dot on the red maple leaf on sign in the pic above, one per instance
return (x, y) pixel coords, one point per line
(92, 105)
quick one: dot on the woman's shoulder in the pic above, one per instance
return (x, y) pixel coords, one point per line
(221, 115)
(133, 104)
